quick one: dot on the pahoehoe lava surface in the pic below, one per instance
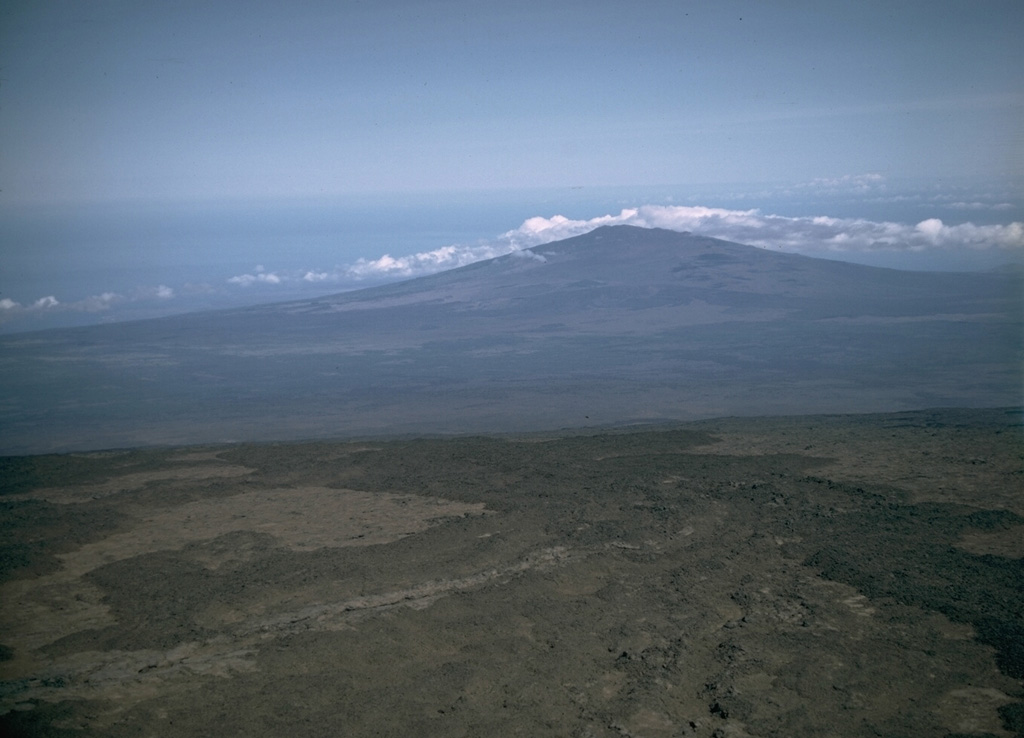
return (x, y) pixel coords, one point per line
(855, 575)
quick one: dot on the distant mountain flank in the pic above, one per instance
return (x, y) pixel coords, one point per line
(619, 325)
(632, 267)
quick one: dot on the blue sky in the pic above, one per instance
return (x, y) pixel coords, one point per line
(109, 100)
(169, 156)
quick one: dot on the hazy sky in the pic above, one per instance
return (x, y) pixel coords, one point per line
(104, 100)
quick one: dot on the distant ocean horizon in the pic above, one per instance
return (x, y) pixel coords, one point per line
(78, 264)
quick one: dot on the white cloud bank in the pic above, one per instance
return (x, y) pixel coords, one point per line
(425, 262)
(806, 235)
(817, 235)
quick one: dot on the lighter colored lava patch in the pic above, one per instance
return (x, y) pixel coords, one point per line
(1007, 543)
(214, 455)
(301, 519)
(974, 710)
(45, 609)
(859, 605)
(123, 678)
(130, 482)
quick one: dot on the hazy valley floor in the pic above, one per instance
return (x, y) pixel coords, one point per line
(815, 576)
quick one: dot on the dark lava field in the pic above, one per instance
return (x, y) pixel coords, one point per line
(844, 575)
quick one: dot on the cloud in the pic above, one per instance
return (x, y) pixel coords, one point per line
(980, 206)
(161, 292)
(426, 262)
(857, 183)
(91, 304)
(817, 235)
(96, 303)
(49, 311)
(808, 235)
(260, 277)
(529, 255)
(44, 303)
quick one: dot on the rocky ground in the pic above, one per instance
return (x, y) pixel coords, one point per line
(816, 576)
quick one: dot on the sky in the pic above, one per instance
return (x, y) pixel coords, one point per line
(185, 100)
(112, 111)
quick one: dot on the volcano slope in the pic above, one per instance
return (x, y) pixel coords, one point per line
(620, 325)
(821, 576)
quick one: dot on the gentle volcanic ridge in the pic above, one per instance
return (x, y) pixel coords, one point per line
(619, 325)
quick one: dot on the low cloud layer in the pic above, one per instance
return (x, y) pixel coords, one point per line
(812, 236)
(819, 235)
(806, 235)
